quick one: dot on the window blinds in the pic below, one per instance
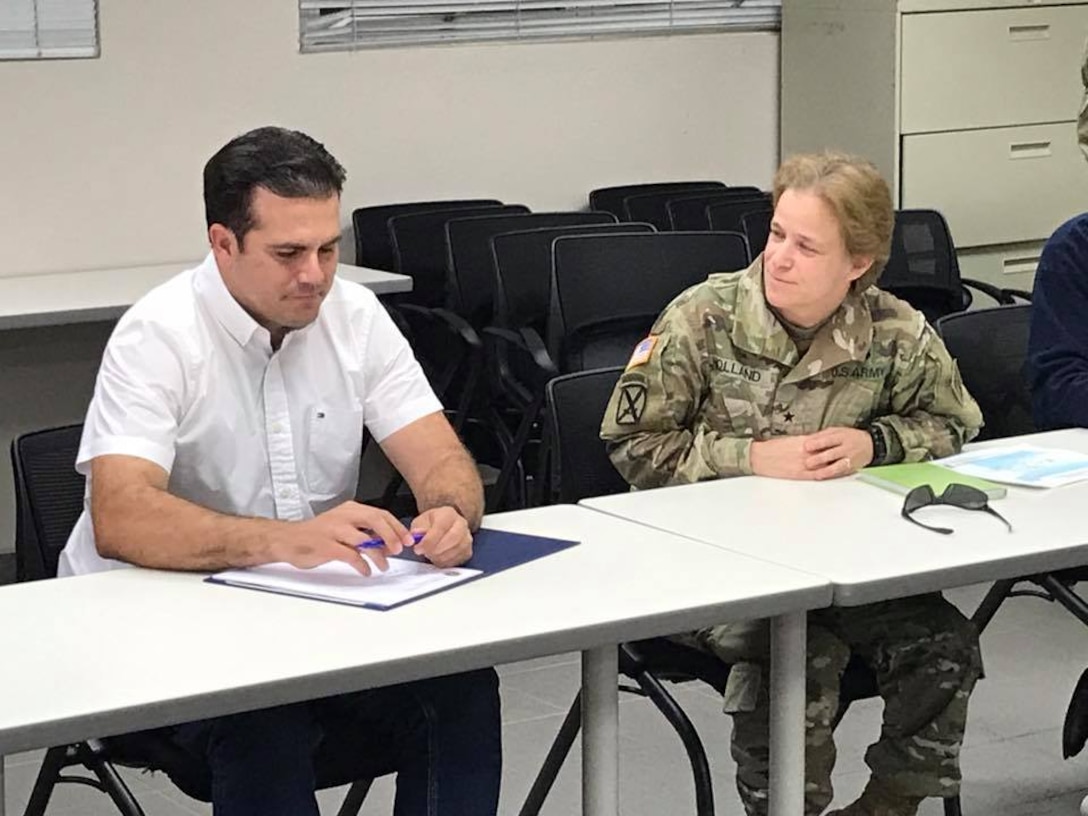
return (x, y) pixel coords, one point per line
(341, 25)
(43, 29)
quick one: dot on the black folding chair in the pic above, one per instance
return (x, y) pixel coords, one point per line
(48, 502)
(576, 403)
(373, 242)
(756, 227)
(610, 199)
(689, 212)
(924, 271)
(729, 215)
(516, 349)
(652, 207)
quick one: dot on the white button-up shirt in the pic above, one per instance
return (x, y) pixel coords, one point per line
(189, 381)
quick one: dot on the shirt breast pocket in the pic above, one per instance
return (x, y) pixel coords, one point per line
(334, 445)
(855, 402)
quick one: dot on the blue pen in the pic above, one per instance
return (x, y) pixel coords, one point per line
(373, 543)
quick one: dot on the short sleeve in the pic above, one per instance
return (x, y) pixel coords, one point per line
(397, 392)
(138, 397)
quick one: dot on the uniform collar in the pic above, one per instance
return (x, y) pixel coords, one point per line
(845, 337)
(211, 289)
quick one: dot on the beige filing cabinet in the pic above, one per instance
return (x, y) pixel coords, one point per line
(967, 106)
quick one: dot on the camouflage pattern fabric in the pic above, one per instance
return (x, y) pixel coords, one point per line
(720, 372)
(924, 654)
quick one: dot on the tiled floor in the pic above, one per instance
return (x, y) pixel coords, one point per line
(1034, 653)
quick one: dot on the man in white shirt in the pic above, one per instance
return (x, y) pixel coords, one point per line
(225, 431)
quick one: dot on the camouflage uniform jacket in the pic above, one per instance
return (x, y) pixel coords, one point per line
(719, 371)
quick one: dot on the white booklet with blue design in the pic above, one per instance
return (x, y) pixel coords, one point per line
(1027, 465)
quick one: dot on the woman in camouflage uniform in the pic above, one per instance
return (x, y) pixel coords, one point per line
(799, 367)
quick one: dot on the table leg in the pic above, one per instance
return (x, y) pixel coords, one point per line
(787, 794)
(3, 793)
(600, 732)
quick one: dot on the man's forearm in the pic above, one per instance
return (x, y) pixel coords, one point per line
(453, 481)
(147, 526)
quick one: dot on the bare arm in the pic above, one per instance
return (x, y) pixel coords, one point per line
(138, 521)
(445, 483)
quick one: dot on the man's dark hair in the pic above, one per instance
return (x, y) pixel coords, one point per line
(285, 162)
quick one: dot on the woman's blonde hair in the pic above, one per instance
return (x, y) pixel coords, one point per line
(858, 196)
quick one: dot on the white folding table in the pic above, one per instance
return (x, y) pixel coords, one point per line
(133, 649)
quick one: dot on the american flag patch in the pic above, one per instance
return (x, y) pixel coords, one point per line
(642, 352)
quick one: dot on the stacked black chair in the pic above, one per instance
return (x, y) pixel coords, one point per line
(48, 502)
(652, 207)
(608, 290)
(373, 242)
(610, 199)
(517, 350)
(689, 212)
(756, 227)
(728, 215)
(923, 269)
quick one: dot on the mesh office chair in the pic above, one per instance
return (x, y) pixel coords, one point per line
(924, 271)
(610, 199)
(48, 502)
(374, 244)
(990, 346)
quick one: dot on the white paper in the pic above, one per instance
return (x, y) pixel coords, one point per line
(336, 581)
(1027, 465)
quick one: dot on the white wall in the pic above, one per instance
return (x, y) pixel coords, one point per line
(102, 158)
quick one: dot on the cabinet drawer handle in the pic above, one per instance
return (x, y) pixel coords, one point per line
(1019, 266)
(1019, 33)
(1029, 150)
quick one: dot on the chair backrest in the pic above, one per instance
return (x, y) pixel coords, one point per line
(48, 498)
(471, 264)
(991, 347)
(575, 405)
(420, 250)
(922, 268)
(651, 207)
(756, 227)
(607, 290)
(523, 270)
(610, 199)
(688, 212)
(726, 215)
(373, 243)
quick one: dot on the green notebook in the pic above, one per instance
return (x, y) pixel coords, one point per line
(902, 478)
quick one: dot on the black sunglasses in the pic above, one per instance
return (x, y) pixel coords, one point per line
(955, 495)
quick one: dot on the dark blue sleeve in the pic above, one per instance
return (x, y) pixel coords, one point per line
(1058, 344)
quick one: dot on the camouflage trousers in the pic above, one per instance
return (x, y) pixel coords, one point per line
(924, 655)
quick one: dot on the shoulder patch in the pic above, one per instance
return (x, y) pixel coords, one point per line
(642, 352)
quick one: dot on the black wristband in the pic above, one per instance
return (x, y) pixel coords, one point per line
(880, 445)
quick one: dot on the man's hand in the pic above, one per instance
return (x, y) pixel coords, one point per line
(826, 454)
(334, 534)
(447, 540)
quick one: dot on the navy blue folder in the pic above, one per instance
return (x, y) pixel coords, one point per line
(492, 551)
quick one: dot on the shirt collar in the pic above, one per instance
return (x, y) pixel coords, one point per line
(845, 336)
(213, 292)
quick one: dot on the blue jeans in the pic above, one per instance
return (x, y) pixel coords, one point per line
(441, 736)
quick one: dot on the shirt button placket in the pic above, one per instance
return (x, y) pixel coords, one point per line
(281, 447)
